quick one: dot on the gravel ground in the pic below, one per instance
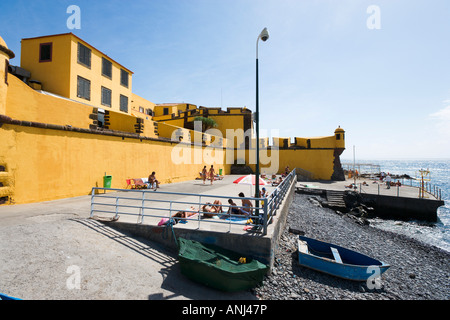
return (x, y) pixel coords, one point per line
(418, 271)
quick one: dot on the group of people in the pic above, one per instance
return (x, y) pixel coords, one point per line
(208, 174)
(388, 180)
(210, 210)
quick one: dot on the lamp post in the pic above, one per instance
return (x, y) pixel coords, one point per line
(264, 35)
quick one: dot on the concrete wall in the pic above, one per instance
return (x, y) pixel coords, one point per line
(403, 208)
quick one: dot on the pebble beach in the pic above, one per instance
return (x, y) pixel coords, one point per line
(418, 271)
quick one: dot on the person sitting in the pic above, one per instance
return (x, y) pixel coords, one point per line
(263, 193)
(398, 183)
(217, 206)
(212, 209)
(247, 204)
(286, 172)
(152, 182)
(277, 182)
(233, 209)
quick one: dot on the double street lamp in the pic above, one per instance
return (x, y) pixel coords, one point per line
(264, 35)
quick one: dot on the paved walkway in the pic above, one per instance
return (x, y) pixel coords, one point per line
(51, 250)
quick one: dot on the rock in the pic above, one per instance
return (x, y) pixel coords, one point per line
(291, 281)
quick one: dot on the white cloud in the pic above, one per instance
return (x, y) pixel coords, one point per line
(442, 115)
(441, 121)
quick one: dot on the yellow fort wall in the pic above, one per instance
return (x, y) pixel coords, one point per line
(24, 103)
(49, 164)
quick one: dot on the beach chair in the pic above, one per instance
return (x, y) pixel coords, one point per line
(129, 184)
(139, 184)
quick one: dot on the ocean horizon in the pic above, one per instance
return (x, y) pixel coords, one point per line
(437, 233)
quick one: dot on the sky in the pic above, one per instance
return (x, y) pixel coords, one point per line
(378, 69)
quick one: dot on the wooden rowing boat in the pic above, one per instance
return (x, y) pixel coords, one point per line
(338, 261)
(219, 268)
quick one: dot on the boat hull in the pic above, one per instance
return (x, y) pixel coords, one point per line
(353, 266)
(218, 268)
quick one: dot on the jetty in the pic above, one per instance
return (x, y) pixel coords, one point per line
(403, 202)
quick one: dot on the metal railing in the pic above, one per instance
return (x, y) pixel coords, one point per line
(142, 204)
(277, 195)
(423, 190)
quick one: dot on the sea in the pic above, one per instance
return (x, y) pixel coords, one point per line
(437, 233)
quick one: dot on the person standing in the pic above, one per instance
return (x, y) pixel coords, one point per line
(204, 173)
(388, 181)
(211, 174)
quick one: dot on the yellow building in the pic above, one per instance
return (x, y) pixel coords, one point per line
(68, 66)
(76, 118)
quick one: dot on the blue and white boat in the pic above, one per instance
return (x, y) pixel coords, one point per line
(338, 261)
(6, 297)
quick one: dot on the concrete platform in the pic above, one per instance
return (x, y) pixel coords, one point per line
(40, 242)
(371, 187)
(402, 203)
(213, 231)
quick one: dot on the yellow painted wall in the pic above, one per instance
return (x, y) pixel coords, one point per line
(53, 75)
(122, 122)
(137, 102)
(318, 162)
(26, 104)
(60, 76)
(94, 74)
(231, 122)
(3, 85)
(149, 129)
(167, 131)
(60, 164)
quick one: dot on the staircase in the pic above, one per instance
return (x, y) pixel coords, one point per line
(335, 199)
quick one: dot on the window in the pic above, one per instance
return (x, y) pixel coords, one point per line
(84, 55)
(106, 68)
(84, 88)
(124, 78)
(123, 103)
(141, 109)
(45, 52)
(106, 97)
(166, 111)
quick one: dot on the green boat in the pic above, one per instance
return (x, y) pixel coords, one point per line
(219, 268)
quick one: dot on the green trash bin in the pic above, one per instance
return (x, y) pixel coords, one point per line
(107, 181)
(220, 172)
